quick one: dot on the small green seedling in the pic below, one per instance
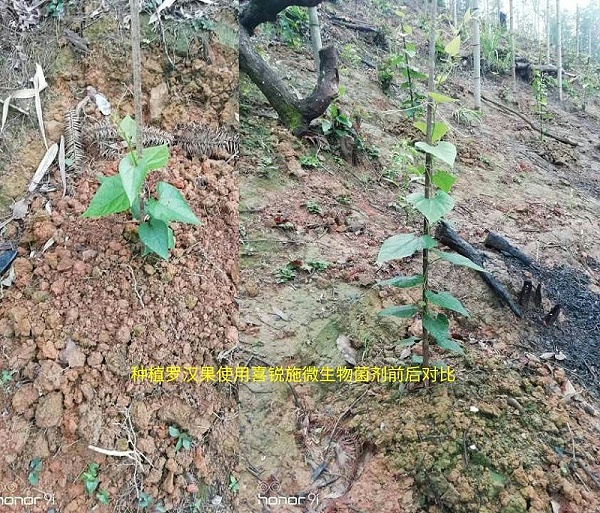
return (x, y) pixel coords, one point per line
(90, 478)
(310, 161)
(34, 475)
(285, 273)
(103, 497)
(144, 500)
(123, 191)
(6, 377)
(183, 439)
(234, 486)
(313, 266)
(314, 208)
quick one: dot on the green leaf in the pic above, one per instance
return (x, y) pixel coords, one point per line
(407, 342)
(403, 282)
(443, 150)
(446, 300)
(171, 206)
(171, 238)
(432, 208)
(155, 157)
(438, 328)
(128, 129)
(399, 311)
(103, 497)
(326, 126)
(399, 246)
(440, 98)
(173, 431)
(428, 242)
(155, 235)
(453, 47)
(110, 198)
(90, 485)
(132, 176)
(439, 130)
(459, 260)
(443, 180)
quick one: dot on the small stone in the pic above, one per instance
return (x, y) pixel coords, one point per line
(124, 335)
(24, 397)
(49, 411)
(50, 376)
(149, 270)
(88, 255)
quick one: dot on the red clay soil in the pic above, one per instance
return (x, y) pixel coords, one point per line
(86, 310)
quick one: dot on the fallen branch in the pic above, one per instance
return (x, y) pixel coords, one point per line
(529, 122)
(450, 238)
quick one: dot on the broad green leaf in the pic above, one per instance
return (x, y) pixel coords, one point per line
(440, 98)
(399, 246)
(155, 235)
(173, 431)
(443, 180)
(399, 311)
(403, 245)
(155, 157)
(110, 198)
(459, 260)
(132, 176)
(403, 282)
(171, 206)
(453, 47)
(443, 150)
(439, 130)
(438, 328)
(446, 300)
(128, 129)
(432, 208)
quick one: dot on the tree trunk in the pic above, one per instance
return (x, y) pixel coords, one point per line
(559, 50)
(577, 32)
(315, 35)
(476, 56)
(295, 113)
(547, 31)
(260, 11)
(512, 46)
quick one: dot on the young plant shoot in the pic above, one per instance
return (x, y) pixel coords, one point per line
(123, 191)
(433, 203)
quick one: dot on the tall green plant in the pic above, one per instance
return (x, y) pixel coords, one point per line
(433, 202)
(123, 191)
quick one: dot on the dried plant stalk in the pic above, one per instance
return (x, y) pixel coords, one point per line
(73, 149)
(202, 140)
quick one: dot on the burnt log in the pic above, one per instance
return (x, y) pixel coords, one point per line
(450, 238)
(499, 243)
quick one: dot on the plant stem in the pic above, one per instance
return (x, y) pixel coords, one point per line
(428, 173)
(137, 74)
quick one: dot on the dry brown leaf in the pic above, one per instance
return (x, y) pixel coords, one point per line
(43, 167)
(62, 164)
(20, 209)
(555, 506)
(568, 390)
(348, 352)
(38, 82)
(5, 111)
(282, 315)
